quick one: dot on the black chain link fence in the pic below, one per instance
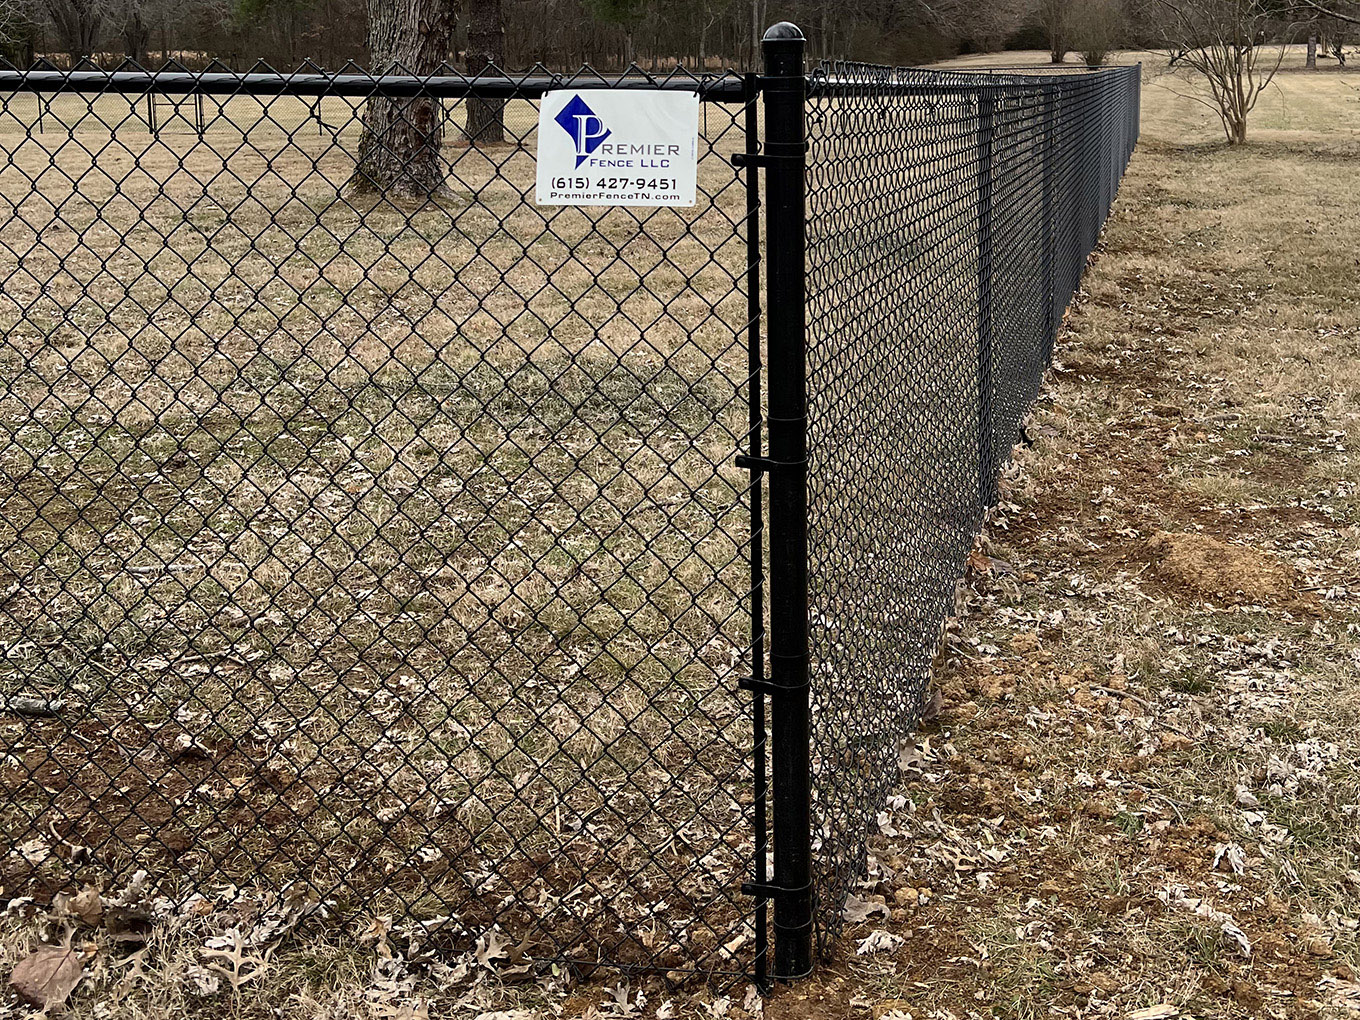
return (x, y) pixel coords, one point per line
(949, 220)
(396, 553)
(392, 550)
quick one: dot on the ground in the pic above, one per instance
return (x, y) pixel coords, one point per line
(392, 550)
(1139, 795)
(1141, 790)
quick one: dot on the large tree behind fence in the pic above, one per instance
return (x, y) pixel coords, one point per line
(485, 52)
(399, 148)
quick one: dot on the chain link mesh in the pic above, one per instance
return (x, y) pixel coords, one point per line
(393, 552)
(949, 218)
(389, 552)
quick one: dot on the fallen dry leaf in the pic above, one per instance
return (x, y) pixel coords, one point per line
(490, 948)
(1161, 1011)
(47, 976)
(1340, 993)
(857, 910)
(878, 942)
(85, 905)
(238, 966)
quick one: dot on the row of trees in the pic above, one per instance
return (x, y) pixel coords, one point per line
(611, 33)
(1090, 27)
(556, 32)
(1235, 46)
(192, 31)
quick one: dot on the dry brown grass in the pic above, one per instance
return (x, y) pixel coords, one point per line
(1128, 760)
(369, 546)
(1056, 840)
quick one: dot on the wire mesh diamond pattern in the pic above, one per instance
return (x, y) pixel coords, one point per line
(949, 218)
(387, 549)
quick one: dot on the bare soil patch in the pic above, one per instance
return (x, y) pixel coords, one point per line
(1201, 566)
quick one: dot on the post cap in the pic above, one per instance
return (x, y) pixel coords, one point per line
(784, 31)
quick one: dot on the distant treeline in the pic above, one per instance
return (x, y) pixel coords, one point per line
(558, 33)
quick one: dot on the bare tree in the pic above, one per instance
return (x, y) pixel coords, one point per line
(706, 19)
(1345, 11)
(16, 29)
(1224, 42)
(1336, 36)
(399, 150)
(1097, 26)
(622, 15)
(758, 20)
(11, 13)
(485, 51)
(79, 24)
(1056, 18)
(134, 19)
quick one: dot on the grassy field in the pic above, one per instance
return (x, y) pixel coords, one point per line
(1144, 760)
(1141, 791)
(394, 552)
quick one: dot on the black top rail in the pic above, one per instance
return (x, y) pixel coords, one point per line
(718, 87)
(847, 81)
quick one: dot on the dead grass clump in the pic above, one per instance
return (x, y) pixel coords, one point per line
(1203, 567)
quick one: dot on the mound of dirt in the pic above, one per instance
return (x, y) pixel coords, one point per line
(1204, 567)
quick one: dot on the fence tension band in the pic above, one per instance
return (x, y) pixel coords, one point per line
(768, 891)
(782, 154)
(767, 465)
(760, 685)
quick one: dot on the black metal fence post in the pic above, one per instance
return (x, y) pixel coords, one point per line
(986, 374)
(754, 310)
(1049, 143)
(785, 88)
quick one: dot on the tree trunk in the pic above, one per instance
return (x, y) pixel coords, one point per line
(486, 49)
(78, 23)
(1057, 44)
(136, 36)
(757, 33)
(1056, 17)
(28, 53)
(399, 147)
(1311, 63)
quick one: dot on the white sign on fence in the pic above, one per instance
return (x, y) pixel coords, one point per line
(618, 147)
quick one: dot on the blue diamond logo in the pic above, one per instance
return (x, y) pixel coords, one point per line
(584, 126)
